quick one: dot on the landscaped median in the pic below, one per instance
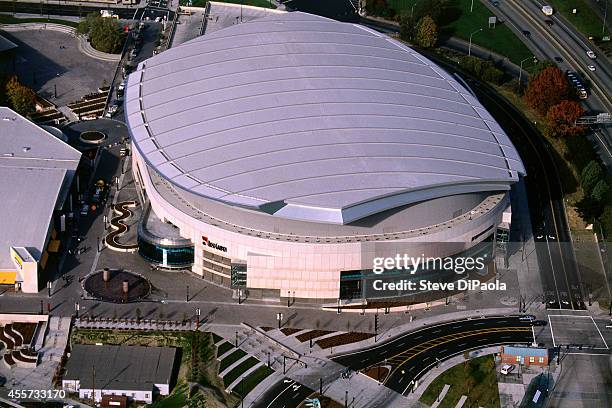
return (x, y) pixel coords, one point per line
(240, 372)
(475, 378)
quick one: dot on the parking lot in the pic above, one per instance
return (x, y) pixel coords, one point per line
(50, 61)
(566, 329)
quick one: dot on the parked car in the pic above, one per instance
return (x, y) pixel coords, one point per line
(112, 109)
(507, 369)
(85, 209)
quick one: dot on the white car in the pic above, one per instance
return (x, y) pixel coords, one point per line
(507, 369)
(591, 54)
(591, 67)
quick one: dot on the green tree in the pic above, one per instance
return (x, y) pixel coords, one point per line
(590, 176)
(426, 32)
(600, 191)
(436, 9)
(407, 26)
(105, 34)
(21, 98)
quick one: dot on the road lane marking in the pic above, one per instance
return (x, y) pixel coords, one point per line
(599, 331)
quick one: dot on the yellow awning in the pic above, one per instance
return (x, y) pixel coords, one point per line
(54, 245)
(8, 277)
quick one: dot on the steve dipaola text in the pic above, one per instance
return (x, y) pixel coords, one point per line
(424, 284)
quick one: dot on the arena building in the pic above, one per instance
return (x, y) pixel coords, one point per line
(282, 155)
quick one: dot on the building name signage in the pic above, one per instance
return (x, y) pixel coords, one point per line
(213, 245)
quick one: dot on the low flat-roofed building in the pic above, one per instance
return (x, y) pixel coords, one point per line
(36, 172)
(537, 356)
(136, 372)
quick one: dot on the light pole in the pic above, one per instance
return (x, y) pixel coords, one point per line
(521, 68)
(49, 284)
(603, 25)
(470, 46)
(279, 317)
(187, 294)
(197, 318)
(412, 9)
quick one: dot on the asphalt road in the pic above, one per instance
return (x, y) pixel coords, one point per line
(411, 354)
(561, 40)
(560, 278)
(284, 394)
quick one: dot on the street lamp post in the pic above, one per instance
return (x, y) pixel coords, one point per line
(187, 294)
(470, 46)
(288, 298)
(49, 284)
(197, 318)
(412, 9)
(279, 317)
(603, 25)
(521, 68)
(236, 338)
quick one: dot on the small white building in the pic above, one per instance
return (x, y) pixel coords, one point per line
(136, 372)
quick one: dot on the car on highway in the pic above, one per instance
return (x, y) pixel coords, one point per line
(549, 23)
(527, 33)
(558, 59)
(591, 54)
(527, 318)
(506, 369)
(591, 68)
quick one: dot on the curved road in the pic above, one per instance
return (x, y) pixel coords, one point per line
(411, 354)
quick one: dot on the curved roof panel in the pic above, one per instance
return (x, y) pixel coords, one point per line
(308, 118)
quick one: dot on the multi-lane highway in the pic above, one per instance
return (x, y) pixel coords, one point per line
(411, 354)
(284, 394)
(559, 40)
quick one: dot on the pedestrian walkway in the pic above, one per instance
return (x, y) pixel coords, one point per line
(461, 402)
(441, 396)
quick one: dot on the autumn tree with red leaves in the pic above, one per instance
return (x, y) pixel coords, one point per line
(562, 118)
(546, 89)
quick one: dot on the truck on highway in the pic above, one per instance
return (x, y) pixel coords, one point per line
(575, 81)
(547, 10)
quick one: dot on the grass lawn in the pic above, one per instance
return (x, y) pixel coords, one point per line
(239, 370)
(585, 19)
(246, 385)
(6, 19)
(231, 359)
(177, 399)
(476, 379)
(224, 348)
(459, 22)
(257, 3)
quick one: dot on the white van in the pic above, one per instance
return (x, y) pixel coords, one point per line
(507, 369)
